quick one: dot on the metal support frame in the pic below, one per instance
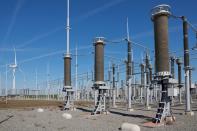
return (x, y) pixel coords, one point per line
(100, 99)
(114, 86)
(68, 103)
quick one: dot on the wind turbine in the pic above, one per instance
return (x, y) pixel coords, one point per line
(14, 67)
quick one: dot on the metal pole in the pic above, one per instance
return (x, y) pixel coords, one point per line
(114, 86)
(68, 28)
(147, 80)
(118, 82)
(76, 77)
(48, 82)
(190, 84)
(36, 85)
(6, 84)
(142, 82)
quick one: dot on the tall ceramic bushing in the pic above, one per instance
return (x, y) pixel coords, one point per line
(160, 16)
(99, 60)
(67, 71)
(99, 84)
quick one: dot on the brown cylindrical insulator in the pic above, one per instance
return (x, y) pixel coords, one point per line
(186, 45)
(67, 71)
(161, 42)
(99, 60)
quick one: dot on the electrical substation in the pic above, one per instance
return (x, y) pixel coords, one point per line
(156, 91)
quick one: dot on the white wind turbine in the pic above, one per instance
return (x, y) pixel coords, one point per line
(14, 67)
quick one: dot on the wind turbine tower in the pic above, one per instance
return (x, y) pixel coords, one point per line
(14, 67)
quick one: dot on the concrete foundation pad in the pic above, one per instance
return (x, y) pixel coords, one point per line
(152, 125)
(190, 113)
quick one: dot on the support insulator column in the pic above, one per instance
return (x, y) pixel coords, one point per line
(142, 82)
(180, 85)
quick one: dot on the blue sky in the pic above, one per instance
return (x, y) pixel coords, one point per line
(36, 28)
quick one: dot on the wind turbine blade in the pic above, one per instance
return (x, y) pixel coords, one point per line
(128, 30)
(142, 57)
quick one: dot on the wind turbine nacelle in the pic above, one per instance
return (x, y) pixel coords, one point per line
(13, 66)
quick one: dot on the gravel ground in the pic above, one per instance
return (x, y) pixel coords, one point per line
(28, 119)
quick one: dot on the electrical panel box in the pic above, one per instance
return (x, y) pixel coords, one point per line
(172, 92)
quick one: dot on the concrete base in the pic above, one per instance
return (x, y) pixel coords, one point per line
(189, 113)
(130, 109)
(152, 125)
(169, 120)
(105, 112)
(74, 109)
